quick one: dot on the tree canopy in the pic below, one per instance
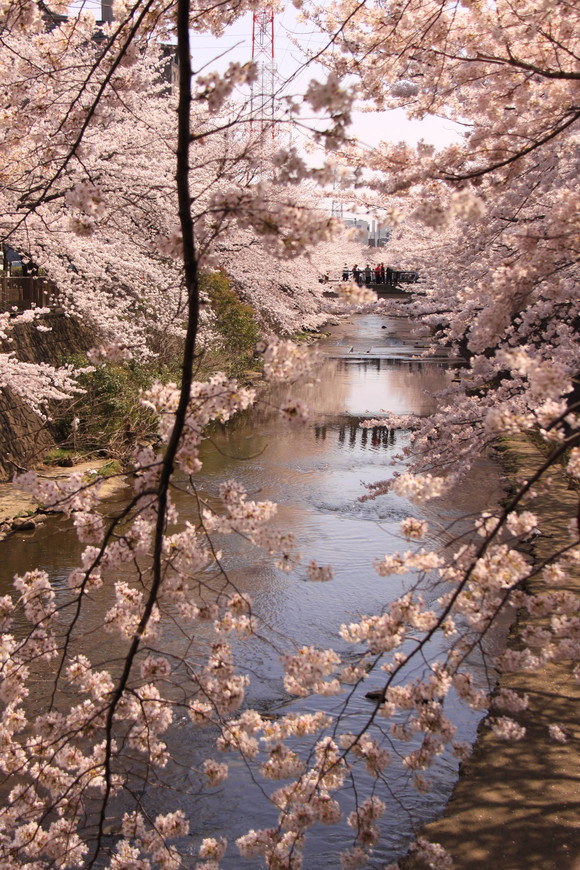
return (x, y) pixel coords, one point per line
(125, 193)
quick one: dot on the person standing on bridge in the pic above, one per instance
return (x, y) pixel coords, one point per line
(378, 274)
(345, 272)
(389, 275)
(367, 274)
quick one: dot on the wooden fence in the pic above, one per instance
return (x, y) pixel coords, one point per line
(22, 293)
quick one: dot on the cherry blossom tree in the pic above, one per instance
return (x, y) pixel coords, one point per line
(491, 226)
(92, 197)
(502, 278)
(85, 737)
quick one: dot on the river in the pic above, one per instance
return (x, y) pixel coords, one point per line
(316, 473)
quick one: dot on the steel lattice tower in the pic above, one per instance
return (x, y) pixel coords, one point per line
(336, 208)
(262, 96)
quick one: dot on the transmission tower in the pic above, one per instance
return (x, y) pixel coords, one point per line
(262, 96)
(336, 208)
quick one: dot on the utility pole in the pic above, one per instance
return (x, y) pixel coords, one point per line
(107, 11)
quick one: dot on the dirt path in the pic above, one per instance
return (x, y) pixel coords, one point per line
(516, 806)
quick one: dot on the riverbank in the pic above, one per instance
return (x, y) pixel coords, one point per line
(516, 805)
(19, 511)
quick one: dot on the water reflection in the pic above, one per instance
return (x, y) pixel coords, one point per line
(350, 434)
(316, 474)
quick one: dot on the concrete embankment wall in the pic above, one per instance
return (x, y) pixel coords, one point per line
(24, 436)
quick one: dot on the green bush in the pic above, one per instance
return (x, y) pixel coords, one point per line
(236, 323)
(109, 413)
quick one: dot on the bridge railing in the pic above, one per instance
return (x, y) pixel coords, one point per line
(396, 277)
(26, 292)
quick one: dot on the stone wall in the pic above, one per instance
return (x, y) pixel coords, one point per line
(24, 437)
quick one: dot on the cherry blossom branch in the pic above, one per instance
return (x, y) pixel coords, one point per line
(574, 115)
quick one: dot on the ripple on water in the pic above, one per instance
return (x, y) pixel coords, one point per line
(316, 474)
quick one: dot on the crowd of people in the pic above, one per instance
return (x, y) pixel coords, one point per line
(378, 274)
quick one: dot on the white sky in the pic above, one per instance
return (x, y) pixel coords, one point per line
(369, 127)
(236, 45)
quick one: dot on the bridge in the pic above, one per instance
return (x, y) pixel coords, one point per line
(401, 284)
(395, 278)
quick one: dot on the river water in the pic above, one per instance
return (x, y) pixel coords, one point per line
(316, 473)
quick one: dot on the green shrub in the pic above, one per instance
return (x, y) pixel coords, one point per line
(236, 323)
(109, 414)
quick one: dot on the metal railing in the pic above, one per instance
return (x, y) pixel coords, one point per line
(395, 277)
(26, 292)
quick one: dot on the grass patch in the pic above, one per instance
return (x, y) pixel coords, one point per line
(109, 469)
(60, 456)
